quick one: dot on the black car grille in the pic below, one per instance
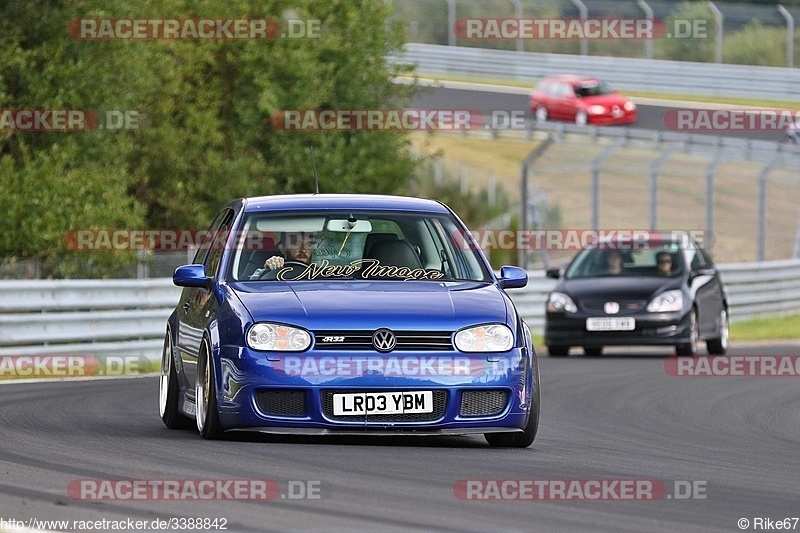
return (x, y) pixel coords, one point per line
(439, 406)
(362, 340)
(281, 402)
(626, 307)
(483, 402)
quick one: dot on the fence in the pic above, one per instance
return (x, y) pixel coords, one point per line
(128, 317)
(741, 194)
(692, 31)
(658, 76)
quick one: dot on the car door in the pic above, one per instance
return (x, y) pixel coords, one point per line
(564, 105)
(706, 289)
(198, 305)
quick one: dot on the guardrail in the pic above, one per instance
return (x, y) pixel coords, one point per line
(654, 75)
(128, 317)
(85, 317)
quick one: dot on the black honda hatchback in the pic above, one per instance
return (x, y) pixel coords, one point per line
(665, 290)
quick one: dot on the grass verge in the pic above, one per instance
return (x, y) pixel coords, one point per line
(758, 329)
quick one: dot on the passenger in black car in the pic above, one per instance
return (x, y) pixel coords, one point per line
(664, 261)
(614, 263)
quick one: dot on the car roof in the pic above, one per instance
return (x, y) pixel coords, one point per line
(574, 79)
(292, 202)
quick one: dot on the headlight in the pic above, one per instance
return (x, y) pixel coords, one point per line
(488, 338)
(666, 301)
(559, 302)
(629, 106)
(596, 110)
(278, 338)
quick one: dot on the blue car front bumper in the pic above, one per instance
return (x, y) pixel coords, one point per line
(292, 393)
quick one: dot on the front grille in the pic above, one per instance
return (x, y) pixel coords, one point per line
(362, 340)
(483, 402)
(625, 306)
(281, 402)
(439, 406)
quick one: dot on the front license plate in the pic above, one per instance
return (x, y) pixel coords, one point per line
(611, 324)
(383, 403)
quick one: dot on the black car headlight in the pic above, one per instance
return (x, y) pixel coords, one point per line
(487, 338)
(666, 302)
(266, 336)
(558, 302)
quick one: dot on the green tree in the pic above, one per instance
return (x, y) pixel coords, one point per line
(206, 137)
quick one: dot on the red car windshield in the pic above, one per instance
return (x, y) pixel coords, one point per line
(593, 89)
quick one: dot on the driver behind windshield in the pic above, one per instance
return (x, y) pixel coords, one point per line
(295, 246)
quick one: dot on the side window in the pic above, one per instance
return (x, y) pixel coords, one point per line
(706, 256)
(218, 240)
(544, 87)
(693, 257)
(207, 239)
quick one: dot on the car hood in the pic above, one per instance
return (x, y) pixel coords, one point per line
(607, 100)
(367, 305)
(620, 288)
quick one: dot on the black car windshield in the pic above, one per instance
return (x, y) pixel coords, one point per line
(591, 263)
(396, 246)
(593, 89)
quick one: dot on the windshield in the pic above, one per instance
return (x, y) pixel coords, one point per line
(589, 263)
(354, 245)
(593, 89)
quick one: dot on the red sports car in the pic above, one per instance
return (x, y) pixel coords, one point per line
(584, 100)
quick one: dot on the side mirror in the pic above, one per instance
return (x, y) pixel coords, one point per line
(512, 277)
(553, 273)
(191, 276)
(704, 271)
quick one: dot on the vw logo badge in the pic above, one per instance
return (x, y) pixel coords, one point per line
(611, 308)
(384, 340)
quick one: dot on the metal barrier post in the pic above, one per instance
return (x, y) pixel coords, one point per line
(648, 14)
(789, 35)
(718, 37)
(522, 255)
(597, 164)
(654, 169)
(762, 210)
(584, 14)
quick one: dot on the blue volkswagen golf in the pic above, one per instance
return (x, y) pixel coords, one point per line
(347, 314)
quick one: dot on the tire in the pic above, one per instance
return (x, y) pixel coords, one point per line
(719, 346)
(207, 416)
(689, 348)
(581, 118)
(541, 114)
(516, 439)
(169, 390)
(558, 351)
(593, 351)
